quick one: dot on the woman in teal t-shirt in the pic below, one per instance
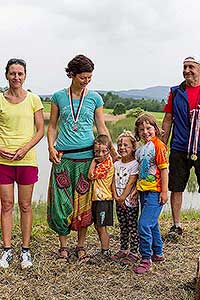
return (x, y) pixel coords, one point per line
(70, 150)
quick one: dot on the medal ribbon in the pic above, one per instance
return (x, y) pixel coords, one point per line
(191, 131)
(75, 116)
(195, 128)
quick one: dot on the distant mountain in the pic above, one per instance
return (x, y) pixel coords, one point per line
(156, 92)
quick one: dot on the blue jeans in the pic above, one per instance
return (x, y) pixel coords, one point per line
(148, 227)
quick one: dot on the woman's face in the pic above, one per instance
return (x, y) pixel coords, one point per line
(16, 76)
(81, 80)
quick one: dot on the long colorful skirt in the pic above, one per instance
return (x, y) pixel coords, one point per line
(69, 196)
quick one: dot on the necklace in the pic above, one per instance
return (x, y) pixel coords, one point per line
(75, 116)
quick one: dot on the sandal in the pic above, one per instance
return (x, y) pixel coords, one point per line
(80, 253)
(64, 250)
(120, 254)
(130, 258)
(144, 266)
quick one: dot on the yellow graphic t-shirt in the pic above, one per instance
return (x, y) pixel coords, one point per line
(17, 127)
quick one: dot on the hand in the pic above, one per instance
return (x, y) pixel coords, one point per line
(133, 198)
(20, 153)
(6, 154)
(55, 156)
(120, 200)
(114, 154)
(163, 197)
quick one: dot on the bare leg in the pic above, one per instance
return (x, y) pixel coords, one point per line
(24, 200)
(80, 251)
(176, 203)
(63, 241)
(103, 236)
(81, 237)
(63, 244)
(7, 203)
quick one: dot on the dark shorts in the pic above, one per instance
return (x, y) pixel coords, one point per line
(179, 170)
(102, 213)
(23, 175)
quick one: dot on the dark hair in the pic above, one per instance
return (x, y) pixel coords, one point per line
(79, 64)
(17, 61)
(104, 140)
(149, 119)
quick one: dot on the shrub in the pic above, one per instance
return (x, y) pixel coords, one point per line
(119, 109)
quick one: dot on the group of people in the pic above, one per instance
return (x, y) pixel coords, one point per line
(88, 173)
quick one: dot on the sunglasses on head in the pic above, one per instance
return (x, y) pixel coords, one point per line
(16, 61)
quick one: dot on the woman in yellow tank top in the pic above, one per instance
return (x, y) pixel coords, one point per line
(21, 128)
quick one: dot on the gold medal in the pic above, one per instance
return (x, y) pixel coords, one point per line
(193, 157)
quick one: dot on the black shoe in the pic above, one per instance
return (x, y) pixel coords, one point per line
(175, 230)
(100, 257)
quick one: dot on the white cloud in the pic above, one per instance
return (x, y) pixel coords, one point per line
(134, 44)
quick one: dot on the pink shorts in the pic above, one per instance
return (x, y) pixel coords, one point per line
(23, 175)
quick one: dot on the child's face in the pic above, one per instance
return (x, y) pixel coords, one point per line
(101, 152)
(146, 132)
(125, 147)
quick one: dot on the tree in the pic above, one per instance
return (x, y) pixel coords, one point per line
(135, 112)
(119, 109)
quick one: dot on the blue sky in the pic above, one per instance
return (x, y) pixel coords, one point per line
(134, 44)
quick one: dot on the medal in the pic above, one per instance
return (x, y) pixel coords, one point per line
(193, 157)
(75, 116)
(75, 127)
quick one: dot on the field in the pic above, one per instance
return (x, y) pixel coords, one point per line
(51, 278)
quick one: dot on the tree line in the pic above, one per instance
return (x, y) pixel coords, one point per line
(111, 101)
(121, 105)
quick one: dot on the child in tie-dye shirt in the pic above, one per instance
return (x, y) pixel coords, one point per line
(152, 185)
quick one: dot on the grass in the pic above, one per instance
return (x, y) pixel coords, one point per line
(51, 278)
(47, 106)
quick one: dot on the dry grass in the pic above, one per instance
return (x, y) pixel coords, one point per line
(54, 279)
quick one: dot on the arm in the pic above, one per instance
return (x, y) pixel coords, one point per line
(92, 169)
(102, 129)
(164, 184)
(129, 186)
(166, 126)
(39, 124)
(114, 192)
(52, 134)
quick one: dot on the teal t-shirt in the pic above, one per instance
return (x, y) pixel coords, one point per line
(83, 137)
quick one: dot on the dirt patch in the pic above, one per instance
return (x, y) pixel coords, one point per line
(51, 278)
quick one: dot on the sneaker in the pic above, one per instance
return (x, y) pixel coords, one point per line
(144, 266)
(119, 254)
(26, 260)
(106, 254)
(157, 258)
(100, 256)
(6, 258)
(175, 230)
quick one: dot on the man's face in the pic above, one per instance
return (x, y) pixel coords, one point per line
(191, 73)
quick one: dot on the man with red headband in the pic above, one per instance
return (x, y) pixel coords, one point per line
(182, 116)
